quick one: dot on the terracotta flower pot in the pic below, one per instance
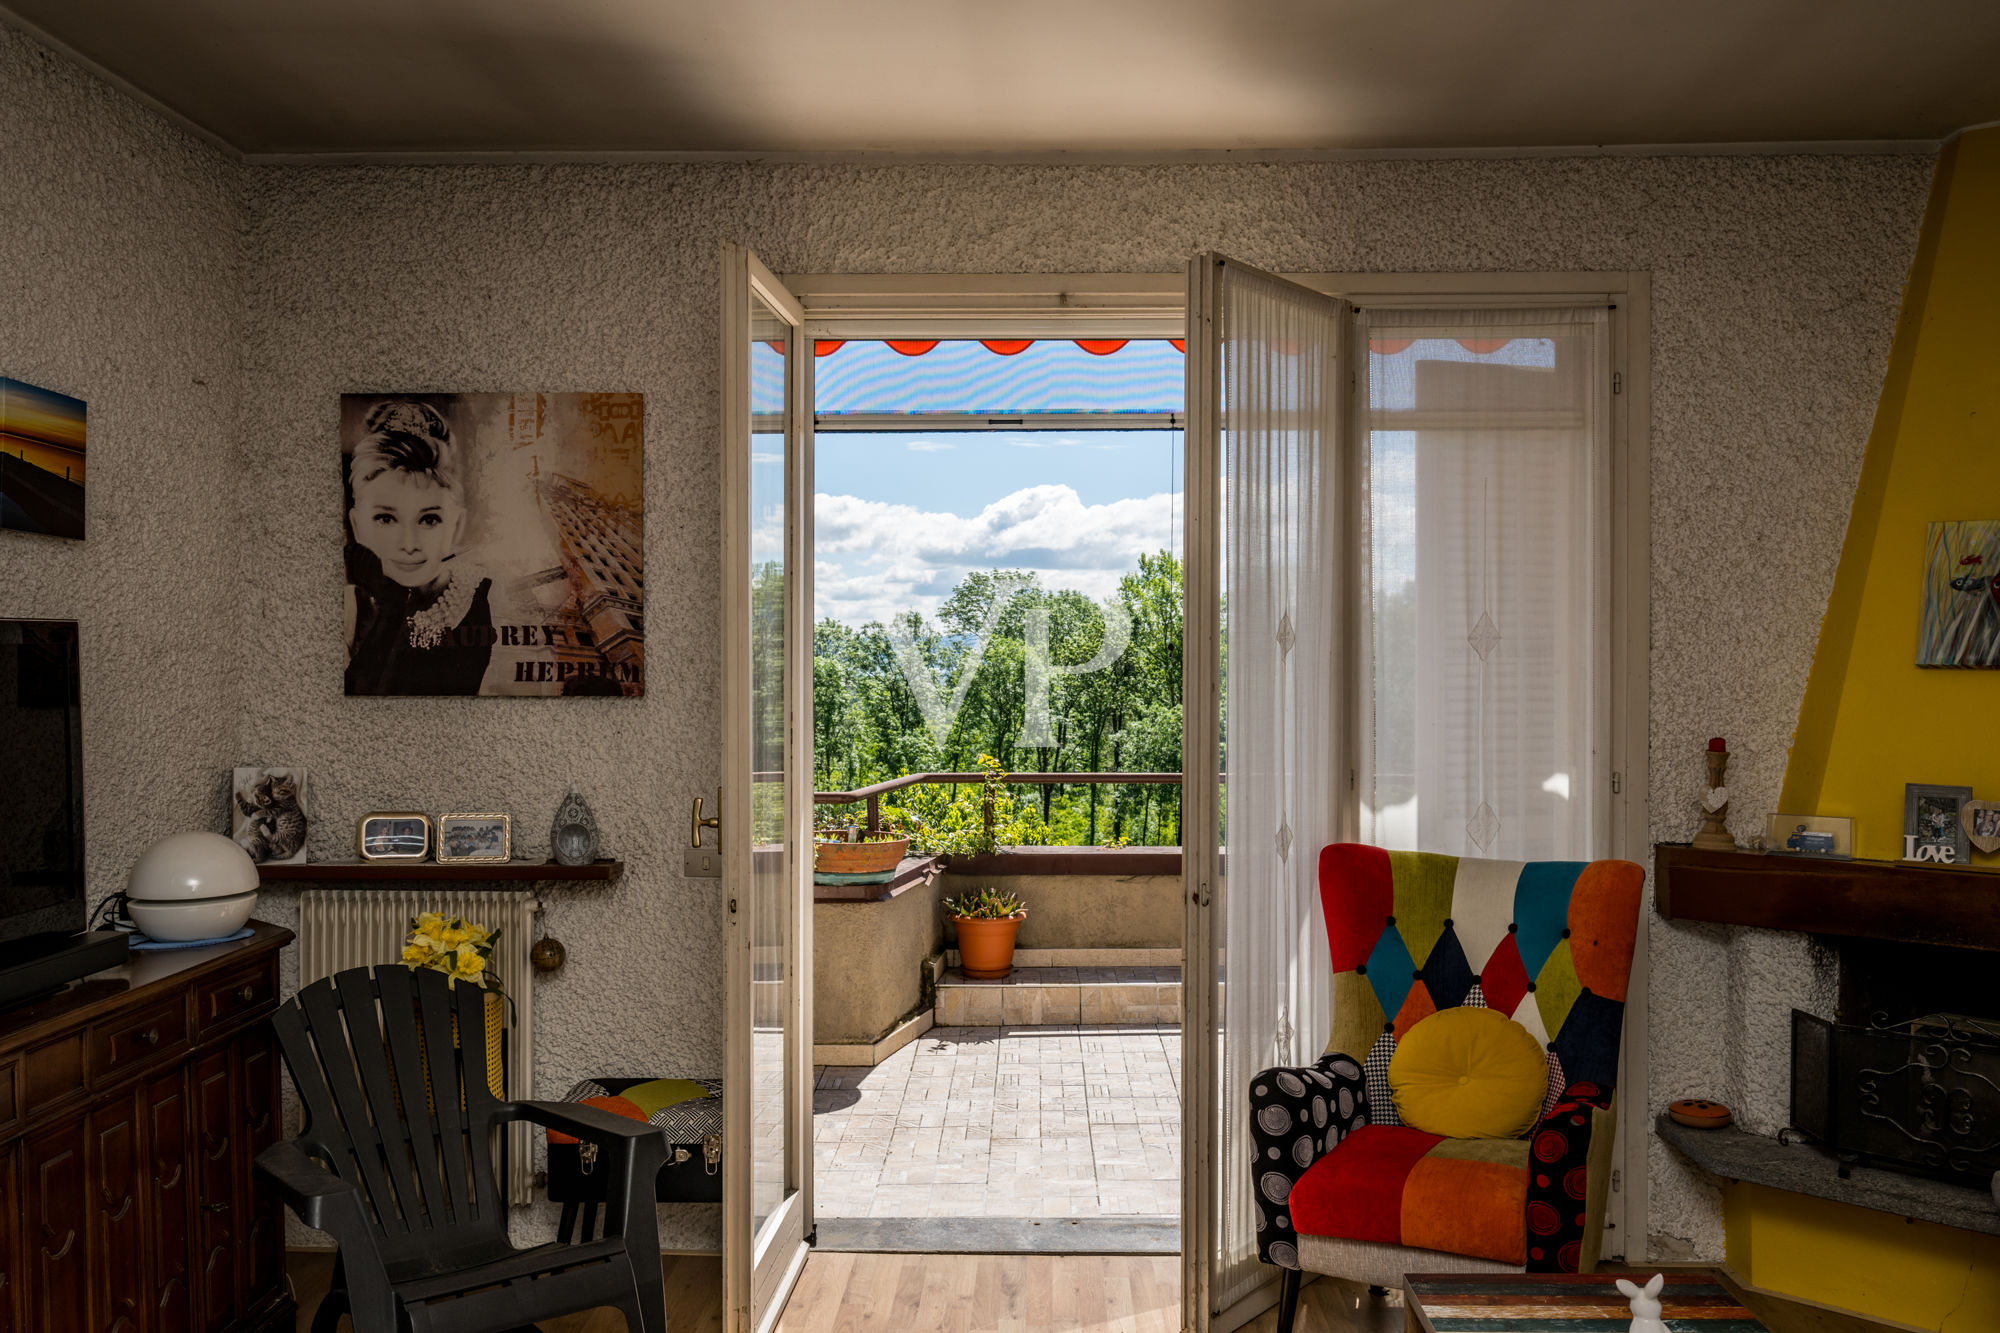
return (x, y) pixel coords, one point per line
(858, 858)
(986, 944)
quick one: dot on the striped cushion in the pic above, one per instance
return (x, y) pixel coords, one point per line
(688, 1109)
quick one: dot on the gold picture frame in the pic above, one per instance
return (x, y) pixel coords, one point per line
(387, 835)
(476, 842)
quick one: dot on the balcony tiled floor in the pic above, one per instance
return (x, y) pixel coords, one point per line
(1010, 1122)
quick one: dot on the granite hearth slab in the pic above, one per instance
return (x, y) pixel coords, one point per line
(1735, 1154)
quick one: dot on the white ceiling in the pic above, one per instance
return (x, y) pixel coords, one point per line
(1039, 76)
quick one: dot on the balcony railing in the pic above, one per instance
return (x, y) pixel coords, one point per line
(874, 793)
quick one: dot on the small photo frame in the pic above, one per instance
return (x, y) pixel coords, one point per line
(1932, 829)
(1824, 837)
(393, 835)
(481, 837)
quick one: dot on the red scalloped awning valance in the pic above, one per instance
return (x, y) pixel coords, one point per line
(997, 346)
(1107, 346)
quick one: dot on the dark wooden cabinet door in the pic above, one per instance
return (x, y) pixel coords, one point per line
(170, 1204)
(11, 1237)
(117, 1237)
(57, 1231)
(261, 1261)
(212, 1084)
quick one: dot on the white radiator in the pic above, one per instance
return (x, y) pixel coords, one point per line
(343, 928)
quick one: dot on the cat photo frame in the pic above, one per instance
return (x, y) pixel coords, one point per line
(269, 814)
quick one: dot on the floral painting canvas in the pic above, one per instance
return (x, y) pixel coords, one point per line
(1961, 619)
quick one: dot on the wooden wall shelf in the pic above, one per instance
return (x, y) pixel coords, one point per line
(1878, 900)
(361, 872)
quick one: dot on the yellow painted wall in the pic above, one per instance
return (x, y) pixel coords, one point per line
(1872, 720)
(1932, 1276)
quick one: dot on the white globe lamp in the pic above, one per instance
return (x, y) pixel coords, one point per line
(192, 886)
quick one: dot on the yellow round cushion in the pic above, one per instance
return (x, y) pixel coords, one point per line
(1469, 1074)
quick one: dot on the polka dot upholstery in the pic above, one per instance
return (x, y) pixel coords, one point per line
(1548, 944)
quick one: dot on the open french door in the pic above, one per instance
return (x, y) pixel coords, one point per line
(767, 764)
(1266, 661)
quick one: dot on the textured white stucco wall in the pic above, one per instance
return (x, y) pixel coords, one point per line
(1776, 283)
(210, 585)
(119, 283)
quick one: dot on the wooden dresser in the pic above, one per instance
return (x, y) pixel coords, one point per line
(131, 1107)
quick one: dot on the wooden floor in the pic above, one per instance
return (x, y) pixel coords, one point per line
(1015, 1293)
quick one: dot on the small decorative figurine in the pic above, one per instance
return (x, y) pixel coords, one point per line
(1645, 1304)
(1714, 835)
(573, 837)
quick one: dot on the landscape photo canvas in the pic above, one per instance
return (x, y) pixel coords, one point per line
(494, 543)
(41, 460)
(1960, 625)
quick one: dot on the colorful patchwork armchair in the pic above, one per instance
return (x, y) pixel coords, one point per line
(1343, 1184)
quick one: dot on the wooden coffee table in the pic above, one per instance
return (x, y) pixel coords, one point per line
(1691, 1302)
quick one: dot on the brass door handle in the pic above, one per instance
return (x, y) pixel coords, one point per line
(714, 821)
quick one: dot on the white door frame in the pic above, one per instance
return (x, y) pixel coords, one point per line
(1156, 305)
(759, 1269)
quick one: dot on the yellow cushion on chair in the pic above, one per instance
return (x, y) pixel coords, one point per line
(1469, 1074)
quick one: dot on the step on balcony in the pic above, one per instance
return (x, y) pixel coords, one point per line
(1034, 996)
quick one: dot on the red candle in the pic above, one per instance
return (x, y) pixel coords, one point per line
(1715, 744)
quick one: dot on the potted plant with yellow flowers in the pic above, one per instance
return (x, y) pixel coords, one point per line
(463, 951)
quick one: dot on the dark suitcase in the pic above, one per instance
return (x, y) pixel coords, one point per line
(688, 1110)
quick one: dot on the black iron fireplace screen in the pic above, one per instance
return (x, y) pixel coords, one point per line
(1922, 1095)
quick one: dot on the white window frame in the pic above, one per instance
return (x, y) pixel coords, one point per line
(1153, 305)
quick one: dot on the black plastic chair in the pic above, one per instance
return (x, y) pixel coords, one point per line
(396, 1162)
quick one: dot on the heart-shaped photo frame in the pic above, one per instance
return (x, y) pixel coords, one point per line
(1981, 821)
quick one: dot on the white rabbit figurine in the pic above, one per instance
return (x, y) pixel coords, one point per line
(1645, 1304)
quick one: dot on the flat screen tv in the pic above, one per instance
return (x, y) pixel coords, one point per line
(42, 888)
(41, 782)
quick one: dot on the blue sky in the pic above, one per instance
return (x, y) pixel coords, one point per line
(900, 518)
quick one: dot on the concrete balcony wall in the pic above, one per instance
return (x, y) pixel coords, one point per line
(867, 963)
(869, 958)
(1085, 897)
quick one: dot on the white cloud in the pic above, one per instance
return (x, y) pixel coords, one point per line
(929, 446)
(874, 558)
(1042, 440)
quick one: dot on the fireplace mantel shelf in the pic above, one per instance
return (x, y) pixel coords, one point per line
(1882, 900)
(1799, 1168)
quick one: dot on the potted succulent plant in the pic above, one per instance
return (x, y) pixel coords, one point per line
(854, 854)
(987, 921)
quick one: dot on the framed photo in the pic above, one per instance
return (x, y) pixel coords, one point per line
(393, 836)
(1932, 830)
(1829, 837)
(41, 460)
(495, 543)
(485, 837)
(267, 814)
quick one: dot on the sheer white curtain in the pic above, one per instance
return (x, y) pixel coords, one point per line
(1486, 484)
(1281, 743)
